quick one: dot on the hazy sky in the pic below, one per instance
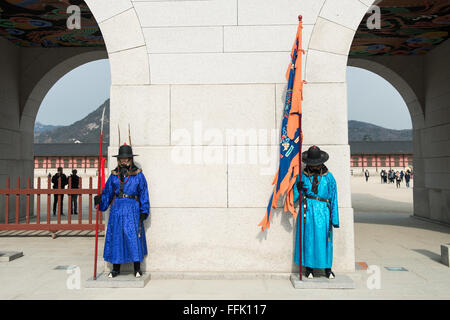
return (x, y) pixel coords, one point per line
(373, 99)
(75, 95)
(370, 98)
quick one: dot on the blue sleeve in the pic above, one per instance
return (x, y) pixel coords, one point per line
(107, 194)
(144, 202)
(296, 189)
(333, 202)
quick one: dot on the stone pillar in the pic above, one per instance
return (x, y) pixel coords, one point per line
(13, 145)
(435, 138)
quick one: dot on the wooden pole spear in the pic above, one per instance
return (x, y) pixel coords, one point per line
(300, 141)
(99, 192)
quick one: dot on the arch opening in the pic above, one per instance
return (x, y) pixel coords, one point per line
(40, 42)
(410, 49)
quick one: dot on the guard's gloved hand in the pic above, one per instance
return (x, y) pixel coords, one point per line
(142, 217)
(97, 200)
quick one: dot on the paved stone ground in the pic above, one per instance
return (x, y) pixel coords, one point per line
(385, 236)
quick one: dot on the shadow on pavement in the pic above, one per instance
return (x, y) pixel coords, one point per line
(398, 219)
(363, 202)
(433, 256)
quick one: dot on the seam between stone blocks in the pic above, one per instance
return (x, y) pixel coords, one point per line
(223, 39)
(312, 33)
(131, 48)
(117, 14)
(145, 43)
(170, 114)
(228, 25)
(337, 23)
(217, 52)
(226, 154)
(275, 106)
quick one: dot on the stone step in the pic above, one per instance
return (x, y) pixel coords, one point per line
(124, 280)
(6, 256)
(339, 282)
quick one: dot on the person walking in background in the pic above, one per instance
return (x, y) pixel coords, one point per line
(398, 179)
(75, 182)
(382, 175)
(402, 174)
(407, 178)
(385, 176)
(64, 183)
(366, 174)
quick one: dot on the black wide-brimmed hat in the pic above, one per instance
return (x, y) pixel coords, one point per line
(314, 156)
(125, 151)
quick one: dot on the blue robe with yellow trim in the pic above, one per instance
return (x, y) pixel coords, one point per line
(122, 243)
(317, 250)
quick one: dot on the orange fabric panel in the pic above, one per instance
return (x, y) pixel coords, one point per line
(288, 182)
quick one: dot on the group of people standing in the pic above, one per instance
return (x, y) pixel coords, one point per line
(74, 181)
(397, 176)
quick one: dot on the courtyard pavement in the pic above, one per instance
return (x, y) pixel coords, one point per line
(385, 236)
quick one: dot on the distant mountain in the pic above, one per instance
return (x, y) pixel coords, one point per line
(86, 130)
(363, 131)
(40, 127)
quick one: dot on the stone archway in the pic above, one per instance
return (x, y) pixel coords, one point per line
(124, 41)
(28, 73)
(419, 82)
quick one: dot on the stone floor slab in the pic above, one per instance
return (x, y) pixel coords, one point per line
(6, 256)
(339, 282)
(124, 280)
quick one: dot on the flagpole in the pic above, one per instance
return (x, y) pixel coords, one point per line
(300, 163)
(100, 155)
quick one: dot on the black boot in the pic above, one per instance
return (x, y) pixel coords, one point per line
(309, 273)
(137, 270)
(329, 273)
(115, 271)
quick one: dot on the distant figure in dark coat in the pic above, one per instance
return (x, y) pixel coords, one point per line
(75, 182)
(64, 183)
(366, 174)
(407, 178)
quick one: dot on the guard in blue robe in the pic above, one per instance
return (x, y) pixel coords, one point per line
(127, 192)
(319, 213)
